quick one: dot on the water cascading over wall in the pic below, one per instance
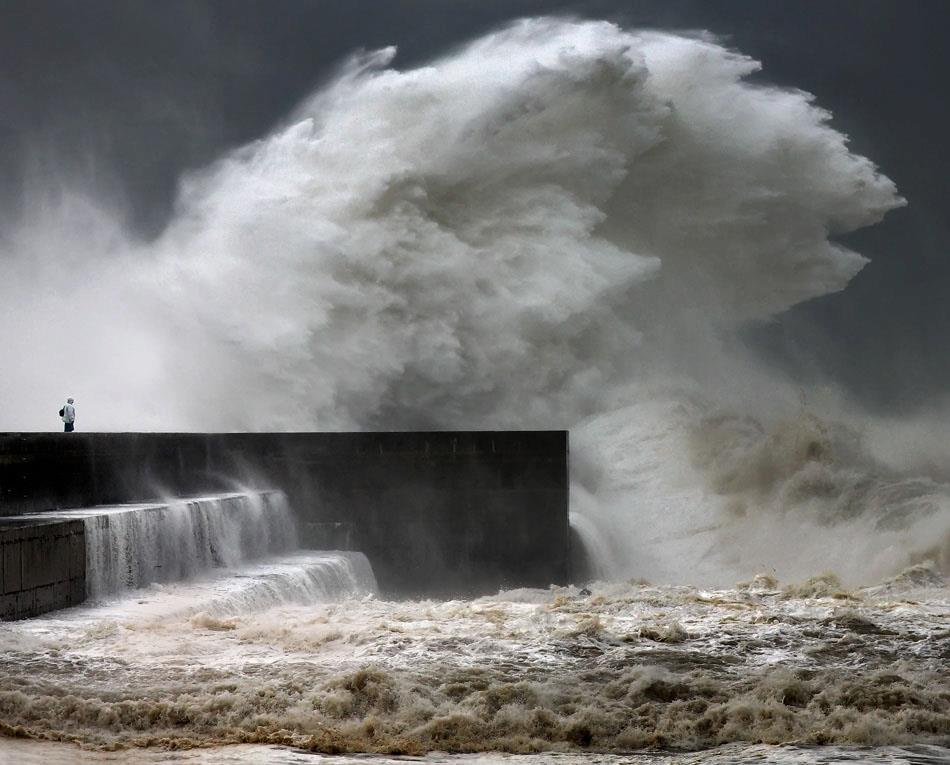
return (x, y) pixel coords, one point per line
(299, 578)
(227, 554)
(55, 560)
(130, 547)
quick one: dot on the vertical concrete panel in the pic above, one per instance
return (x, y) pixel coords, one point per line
(77, 590)
(45, 558)
(8, 607)
(12, 579)
(50, 597)
(25, 603)
(77, 555)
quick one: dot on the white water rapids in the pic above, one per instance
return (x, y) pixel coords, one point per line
(222, 662)
(562, 224)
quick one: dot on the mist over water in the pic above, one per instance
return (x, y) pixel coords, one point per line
(561, 225)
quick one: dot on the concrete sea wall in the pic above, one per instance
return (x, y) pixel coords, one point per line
(437, 513)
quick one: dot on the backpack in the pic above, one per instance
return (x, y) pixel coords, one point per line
(62, 411)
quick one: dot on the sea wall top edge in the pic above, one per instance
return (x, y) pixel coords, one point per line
(85, 433)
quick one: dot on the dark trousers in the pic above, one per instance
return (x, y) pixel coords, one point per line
(69, 427)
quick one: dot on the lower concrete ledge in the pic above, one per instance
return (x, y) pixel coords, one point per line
(42, 566)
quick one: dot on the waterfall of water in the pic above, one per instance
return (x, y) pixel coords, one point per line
(298, 578)
(301, 578)
(134, 545)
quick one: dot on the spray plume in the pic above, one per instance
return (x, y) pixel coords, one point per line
(560, 225)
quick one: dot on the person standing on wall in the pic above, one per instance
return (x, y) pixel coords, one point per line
(68, 413)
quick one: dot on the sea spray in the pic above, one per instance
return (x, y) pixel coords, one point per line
(561, 224)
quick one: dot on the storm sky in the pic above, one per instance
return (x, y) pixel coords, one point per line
(121, 98)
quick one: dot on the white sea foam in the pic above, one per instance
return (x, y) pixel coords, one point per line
(561, 224)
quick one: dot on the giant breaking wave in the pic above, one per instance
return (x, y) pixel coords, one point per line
(562, 224)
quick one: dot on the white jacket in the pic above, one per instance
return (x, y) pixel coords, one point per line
(69, 413)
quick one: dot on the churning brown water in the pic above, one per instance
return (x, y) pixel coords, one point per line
(627, 667)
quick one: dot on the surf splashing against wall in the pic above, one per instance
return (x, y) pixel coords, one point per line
(560, 225)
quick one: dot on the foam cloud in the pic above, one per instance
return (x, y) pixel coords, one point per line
(555, 226)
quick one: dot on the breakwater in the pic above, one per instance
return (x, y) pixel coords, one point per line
(437, 513)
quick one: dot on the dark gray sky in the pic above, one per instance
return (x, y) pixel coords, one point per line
(126, 95)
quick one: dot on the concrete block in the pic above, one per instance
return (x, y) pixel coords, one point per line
(77, 590)
(12, 580)
(25, 601)
(77, 555)
(51, 597)
(7, 607)
(45, 559)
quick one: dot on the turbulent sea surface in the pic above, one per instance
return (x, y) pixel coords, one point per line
(756, 673)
